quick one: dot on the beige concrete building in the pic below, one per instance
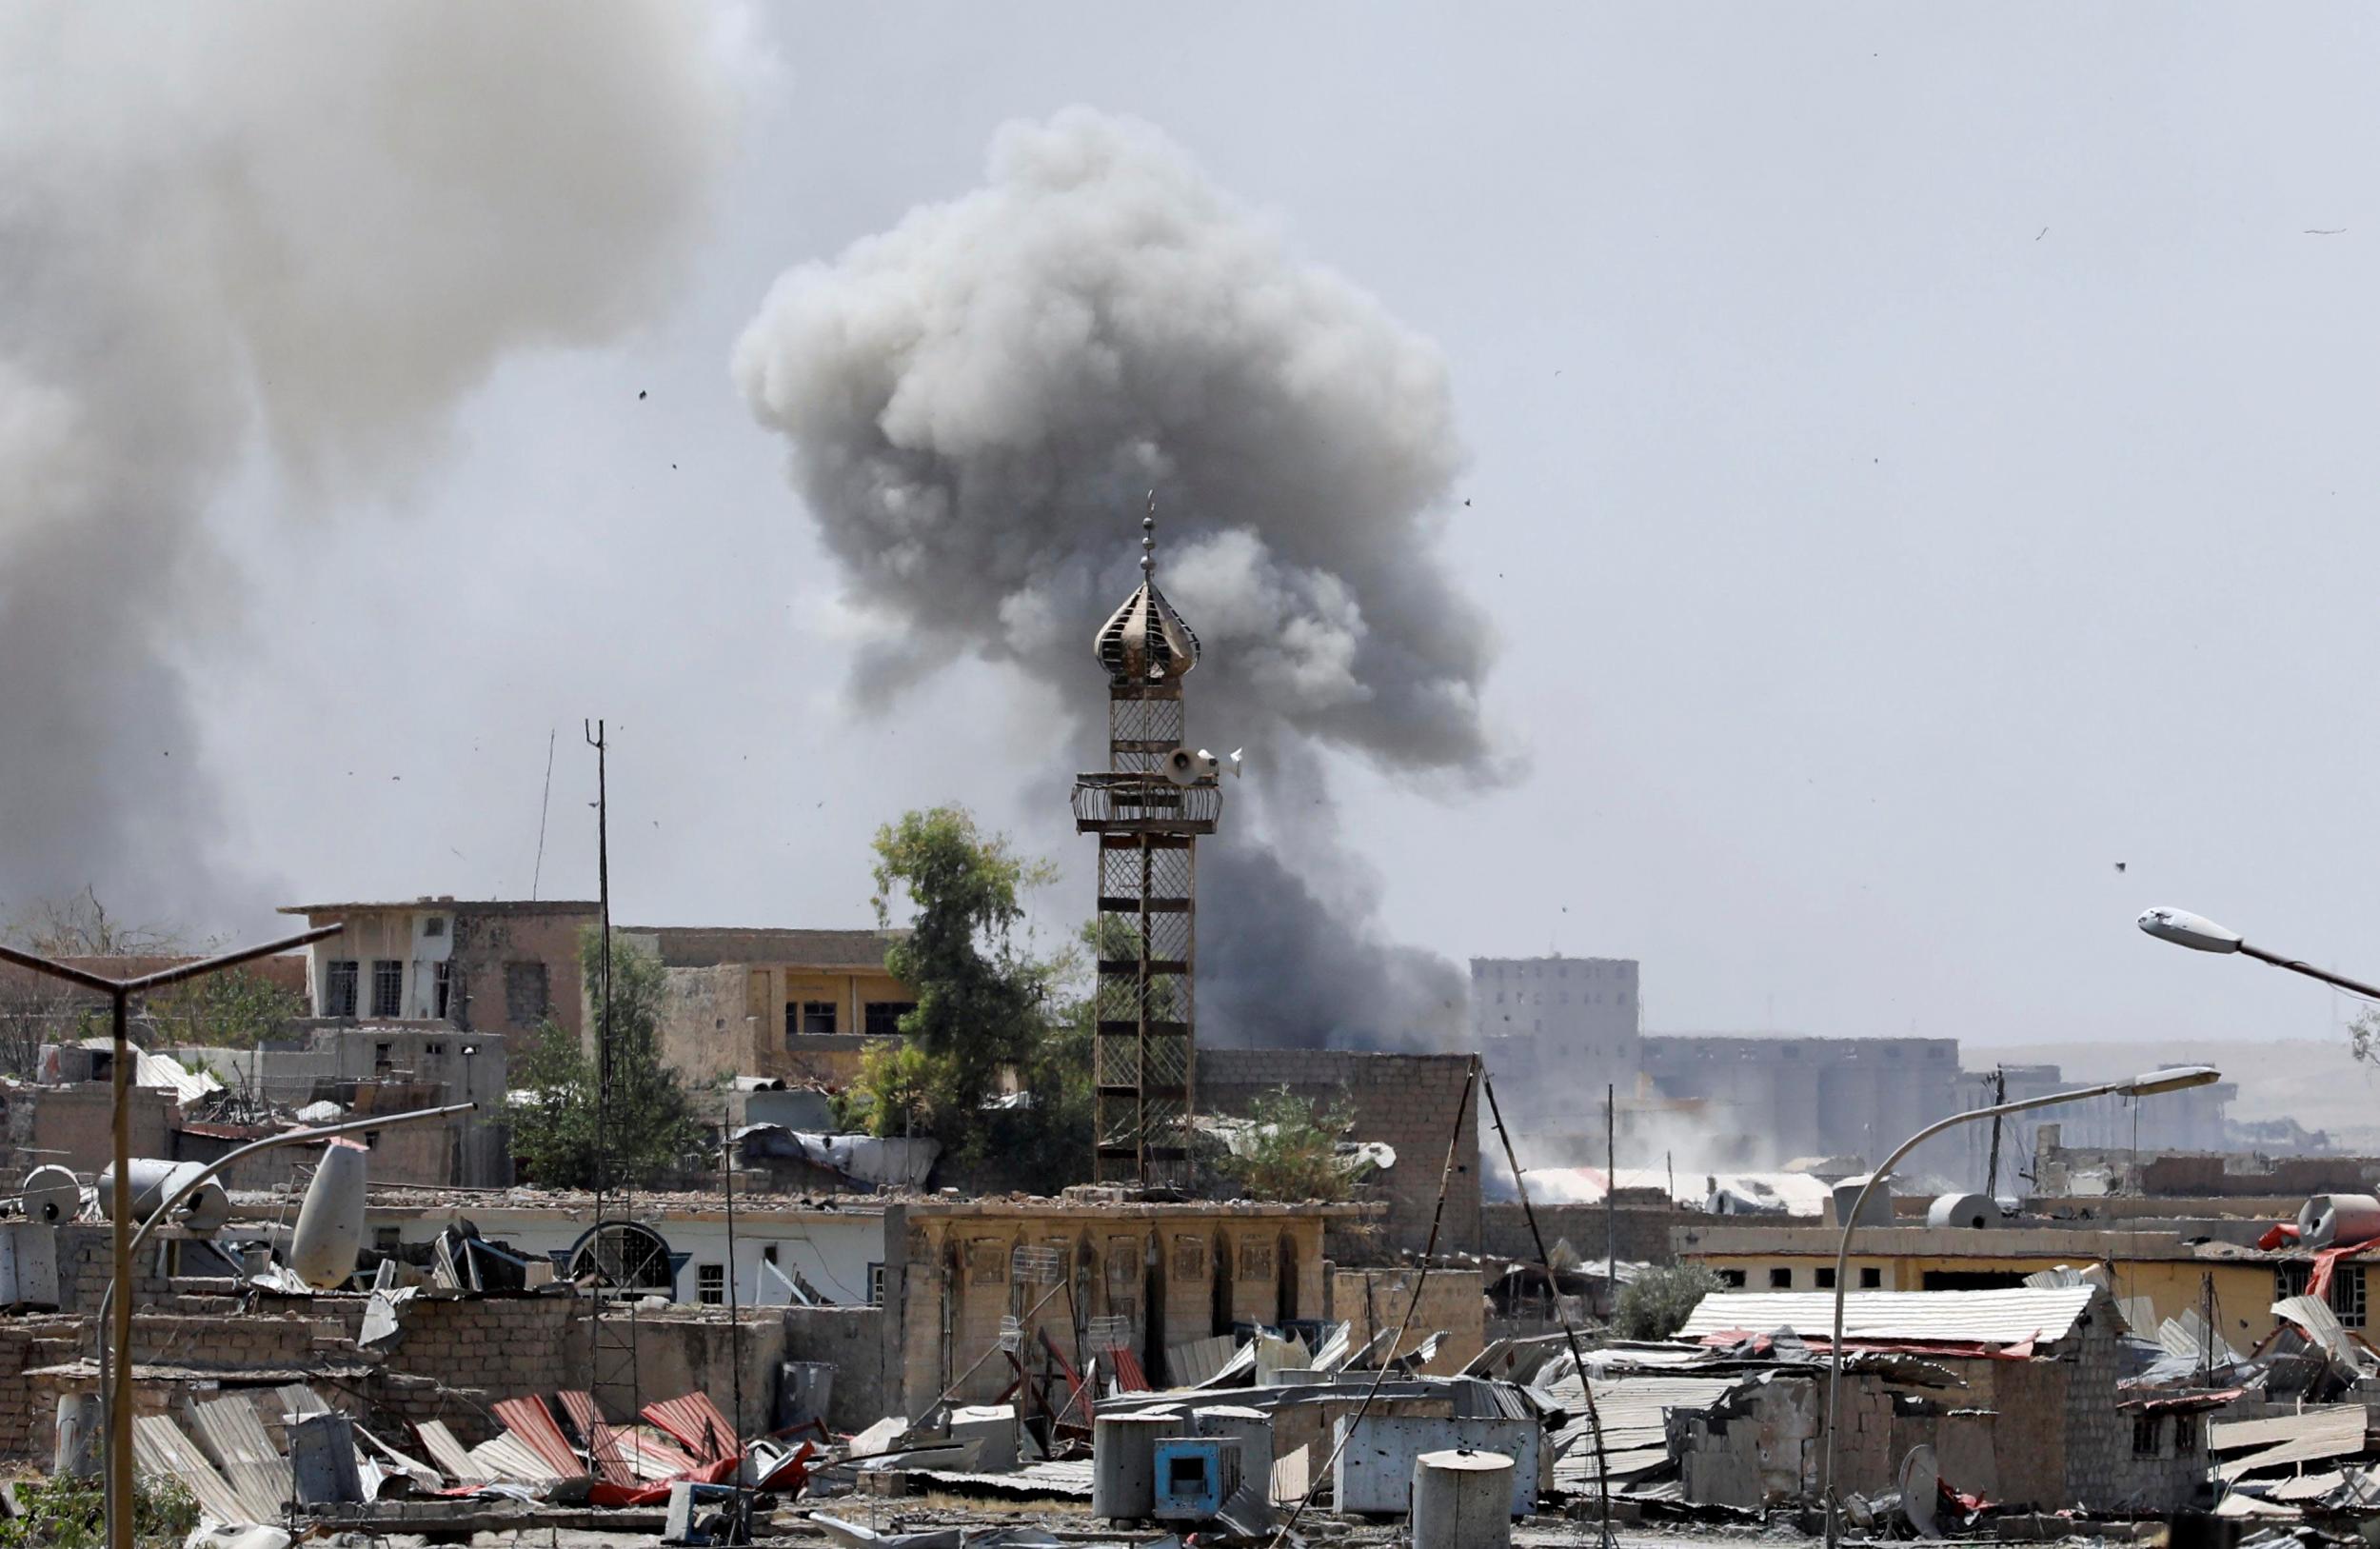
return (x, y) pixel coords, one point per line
(799, 1004)
(500, 968)
(1167, 1273)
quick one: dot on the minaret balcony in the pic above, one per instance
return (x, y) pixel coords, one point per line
(1145, 804)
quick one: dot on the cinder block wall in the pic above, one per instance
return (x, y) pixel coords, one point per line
(1371, 1300)
(851, 1340)
(1407, 1101)
(1644, 1234)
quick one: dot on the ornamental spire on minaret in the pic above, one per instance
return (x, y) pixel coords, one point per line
(1146, 641)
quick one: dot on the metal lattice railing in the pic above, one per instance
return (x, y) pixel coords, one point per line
(1140, 803)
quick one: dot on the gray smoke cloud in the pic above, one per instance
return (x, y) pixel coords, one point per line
(289, 231)
(974, 402)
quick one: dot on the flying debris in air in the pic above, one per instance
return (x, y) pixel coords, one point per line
(2119, 865)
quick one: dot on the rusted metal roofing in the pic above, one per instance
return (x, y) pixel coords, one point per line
(695, 1425)
(533, 1424)
(2005, 1316)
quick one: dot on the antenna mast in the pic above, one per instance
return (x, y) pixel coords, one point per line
(613, 1347)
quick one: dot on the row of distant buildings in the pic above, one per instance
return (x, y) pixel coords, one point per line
(1558, 1033)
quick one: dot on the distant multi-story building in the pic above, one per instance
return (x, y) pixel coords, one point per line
(1571, 1020)
(497, 967)
(1558, 1031)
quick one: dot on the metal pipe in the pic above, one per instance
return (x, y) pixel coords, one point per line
(2297, 966)
(2136, 1086)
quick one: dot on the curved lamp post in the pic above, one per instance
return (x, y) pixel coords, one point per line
(2174, 1079)
(2201, 934)
(117, 1356)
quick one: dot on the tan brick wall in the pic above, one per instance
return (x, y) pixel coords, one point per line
(1452, 1300)
(1407, 1101)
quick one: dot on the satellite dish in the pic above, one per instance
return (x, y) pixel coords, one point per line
(1921, 1487)
(330, 1222)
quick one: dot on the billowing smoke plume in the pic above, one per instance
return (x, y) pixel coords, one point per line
(976, 401)
(297, 230)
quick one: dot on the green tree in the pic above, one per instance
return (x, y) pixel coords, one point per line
(71, 1514)
(1290, 1150)
(982, 999)
(231, 1009)
(650, 1120)
(988, 1007)
(1657, 1303)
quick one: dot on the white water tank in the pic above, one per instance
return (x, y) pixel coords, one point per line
(2333, 1220)
(1968, 1210)
(206, 1211)
(1462, 1499)
(53, 1193)
(330, 1222)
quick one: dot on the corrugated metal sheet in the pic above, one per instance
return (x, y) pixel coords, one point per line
(579, 1405)
(297, 1398)
(530, 1423)
(697, 1424)
(506, 1456)
(2248, 1435)
(232, 1430)
(1633, 1411)
(160, 1449)
(1065, 1480)
(1195, 1363)
(448, 1452)
(627, 1454)
(2006, 1317)
(2334, 1431)
(2322, 1325)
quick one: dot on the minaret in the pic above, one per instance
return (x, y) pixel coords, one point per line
(1148, 808)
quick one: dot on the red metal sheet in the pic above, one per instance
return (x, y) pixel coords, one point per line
(697, 1425)
(1129, 1376)
(604, 1493)
(579, 1406)
(533, 1426)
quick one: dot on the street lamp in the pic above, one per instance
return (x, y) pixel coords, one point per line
(115, 1398)
(2201, 934)
(2171, 1078)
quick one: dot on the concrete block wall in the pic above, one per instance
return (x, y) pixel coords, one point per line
(1643, 1233)
(1407, 1101)
(1371, 1300)
(851, 1340)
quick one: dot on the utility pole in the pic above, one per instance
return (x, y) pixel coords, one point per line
(1611, 1199)
(612, 1342)
(1991, 1169)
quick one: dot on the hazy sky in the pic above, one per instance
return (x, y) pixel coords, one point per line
(1919, 459)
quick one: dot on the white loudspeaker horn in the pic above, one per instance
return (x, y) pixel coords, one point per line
(1183, 767)
(330, 1222)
